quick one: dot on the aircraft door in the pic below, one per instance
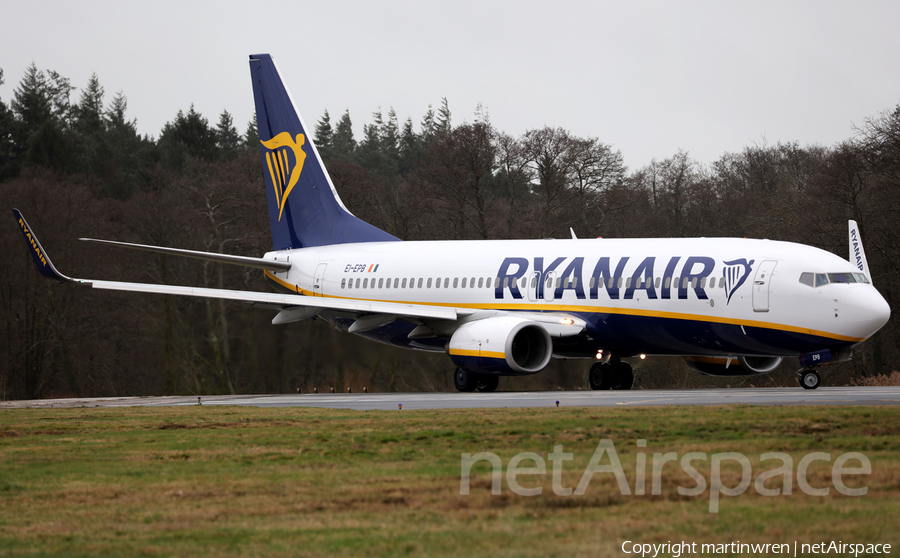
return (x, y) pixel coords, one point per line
(761, 285)
(319, 279)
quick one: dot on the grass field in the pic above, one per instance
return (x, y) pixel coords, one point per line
(229, 481)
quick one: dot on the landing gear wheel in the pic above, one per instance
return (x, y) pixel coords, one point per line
(623, 377)
(464, 381)
(600, 376)
(810, 380)
(487, 382)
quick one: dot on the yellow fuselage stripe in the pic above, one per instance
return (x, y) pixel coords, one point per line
(591, 310)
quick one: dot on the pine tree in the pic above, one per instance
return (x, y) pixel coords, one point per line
(189, 135)
(227, 139)
(41, 107)
(251, 136)
(390, 137)
(8, 166)
(324, 135)
(88, 112)
(343, 144)
(442, 124)
(481, 115)
(31, 102)
(126, 149)
(90, 128)
(411, 151)
(428, 124)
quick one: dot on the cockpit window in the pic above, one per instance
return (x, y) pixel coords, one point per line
(819, 279)
(841, 278)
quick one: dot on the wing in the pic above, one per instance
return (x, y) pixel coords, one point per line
(277, 300)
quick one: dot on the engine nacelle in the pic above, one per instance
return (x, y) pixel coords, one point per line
(739, 366)
(501, 345)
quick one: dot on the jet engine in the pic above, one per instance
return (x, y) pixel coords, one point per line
(733, 366)
(505, 345)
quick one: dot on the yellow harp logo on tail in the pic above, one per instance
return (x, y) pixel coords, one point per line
(285, 160)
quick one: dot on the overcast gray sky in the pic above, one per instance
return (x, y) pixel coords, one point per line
(647, 77)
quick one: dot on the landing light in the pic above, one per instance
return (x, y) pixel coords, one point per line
(643, 356)
(599, 355)
(566, 321)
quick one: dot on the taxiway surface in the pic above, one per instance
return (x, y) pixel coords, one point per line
(413, 401)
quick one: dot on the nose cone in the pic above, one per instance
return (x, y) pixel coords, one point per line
(868, 312)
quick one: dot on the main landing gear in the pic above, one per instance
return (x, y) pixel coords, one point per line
(469, 381)
(611, 375)
(809, 378)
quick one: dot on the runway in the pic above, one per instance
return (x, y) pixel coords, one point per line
(499, 400)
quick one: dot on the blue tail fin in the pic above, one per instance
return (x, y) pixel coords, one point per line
(304, 208)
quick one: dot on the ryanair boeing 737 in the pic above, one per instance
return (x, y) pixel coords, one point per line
(729, 306)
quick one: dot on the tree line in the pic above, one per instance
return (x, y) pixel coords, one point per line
(77, 167)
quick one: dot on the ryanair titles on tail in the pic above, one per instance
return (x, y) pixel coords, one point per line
(675, 282)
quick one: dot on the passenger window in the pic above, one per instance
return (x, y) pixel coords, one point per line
(480, 282)
(366, 283)
(343, 282)
(357, 282)
(668, 282)
(807, 279)
(437, 283)
(472, 283)
(380, 283)
(446, 282)
(658, 280)
(463, 283)
(429, 282)
(403, 284)
(821, 279)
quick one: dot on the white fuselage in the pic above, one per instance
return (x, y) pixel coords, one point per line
(654, 296)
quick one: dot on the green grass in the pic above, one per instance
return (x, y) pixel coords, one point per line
(228, 481)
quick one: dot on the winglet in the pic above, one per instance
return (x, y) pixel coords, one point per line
(40, 257)
(857, 254)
